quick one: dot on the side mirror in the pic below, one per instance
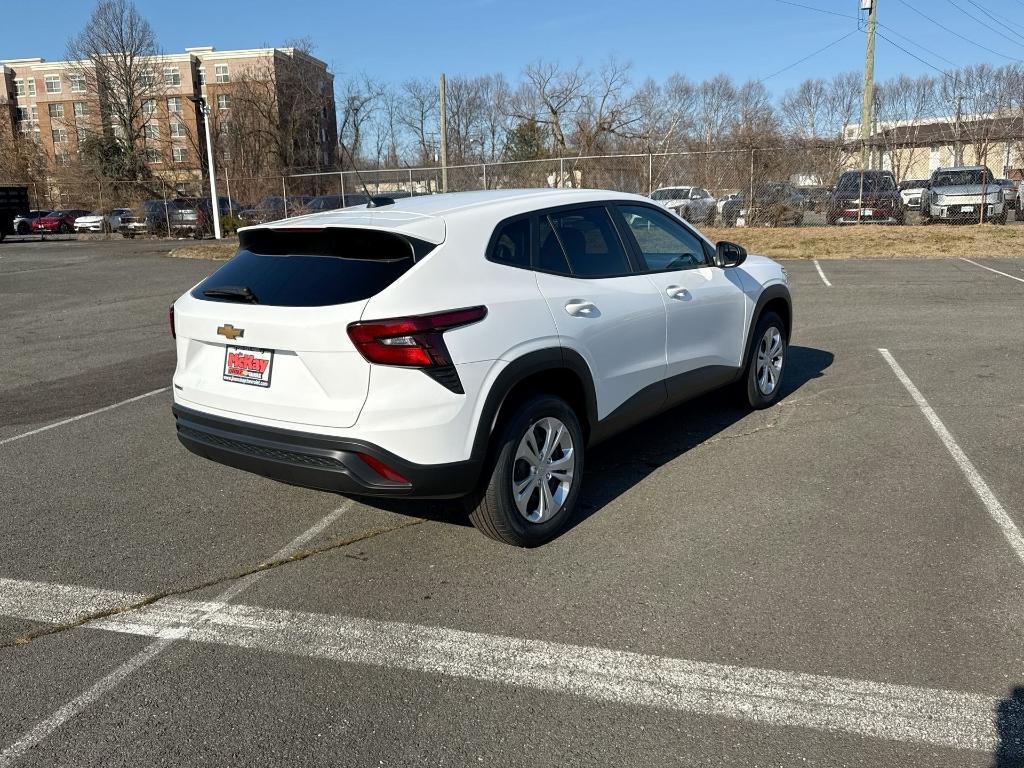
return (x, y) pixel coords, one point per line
(729, 255)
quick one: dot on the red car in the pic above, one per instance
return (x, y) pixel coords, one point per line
(61, 221)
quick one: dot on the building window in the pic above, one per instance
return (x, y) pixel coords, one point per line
(77, 83)
(19, 86)
(35, 114)
(174, 104)
(223, 101)
(22, 114)
(31, 83)
(60, 135)
(81, 109)
(56, 111)
(202, 76)
(147, 79)
(153, 156)
(117, 131)
(52, 83)
(149, 106)
(151, 131)
(179, 154)
(82, 134)
(222, 74)
(172, 76)
(178, 130)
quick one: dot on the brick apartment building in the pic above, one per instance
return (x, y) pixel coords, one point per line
(50, 101)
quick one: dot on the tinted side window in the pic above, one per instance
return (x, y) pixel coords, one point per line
(550, 256)
(512, 244)
(664, 243)
(590, 242)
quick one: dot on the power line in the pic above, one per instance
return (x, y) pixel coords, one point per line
(809, 56)
(996, 19)
(915, 56)
(819, 10)
(987, 26)
(917, 44)
(956, 34)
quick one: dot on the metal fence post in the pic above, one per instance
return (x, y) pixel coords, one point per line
(650, 173)
(561, 172)
(284, 196)
(410, 181)
(485, 174)
(167, 213)
(341, 184)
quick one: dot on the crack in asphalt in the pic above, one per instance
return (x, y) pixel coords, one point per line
(302, 554)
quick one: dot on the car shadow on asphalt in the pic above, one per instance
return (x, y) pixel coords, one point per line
(1009, 720)
(619, 464)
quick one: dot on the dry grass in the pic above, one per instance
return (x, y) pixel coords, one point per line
(873, 241)
(214, 250)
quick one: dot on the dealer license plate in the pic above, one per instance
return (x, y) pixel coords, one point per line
(966, 209)
(246, 365)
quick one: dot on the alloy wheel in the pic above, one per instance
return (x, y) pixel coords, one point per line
(543, 469)
(770, 355)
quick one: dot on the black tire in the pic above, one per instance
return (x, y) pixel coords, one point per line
(63, 229)
(753, 393)
(493, 510)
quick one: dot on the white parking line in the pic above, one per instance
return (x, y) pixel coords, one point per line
(779, 698)
(104, 409)
(988, 498)
(821, 272)
(165, 638)
(969, 261)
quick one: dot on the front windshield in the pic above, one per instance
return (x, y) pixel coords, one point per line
(675, 193)
(962, 178)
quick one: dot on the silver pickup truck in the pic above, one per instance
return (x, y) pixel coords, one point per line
(964, 194)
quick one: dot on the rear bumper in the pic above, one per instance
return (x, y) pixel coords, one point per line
(316, 461)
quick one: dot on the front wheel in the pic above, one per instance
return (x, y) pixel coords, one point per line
(766, 362)
(535, 475)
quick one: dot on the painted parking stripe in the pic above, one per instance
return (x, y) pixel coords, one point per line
(885, 711)
(104, 409)
(58, 612)
(1004, 274)
(977, 482)
(821, 273)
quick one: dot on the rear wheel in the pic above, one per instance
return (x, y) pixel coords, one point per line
(766, 363)
(535, 475)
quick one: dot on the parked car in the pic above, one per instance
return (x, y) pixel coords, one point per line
(1009, 187)
(816, 197)
(98, 221)
(60, 221)
(22, 224)
(911, 192)
(965, 194)
(692, 203)
(396, 380)
(868, 197)
(181, 217)
(729, 213)
(133, 223)
(725, 198)
(274, 207)
(776, 204)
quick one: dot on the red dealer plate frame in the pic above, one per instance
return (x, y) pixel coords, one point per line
(248, 365)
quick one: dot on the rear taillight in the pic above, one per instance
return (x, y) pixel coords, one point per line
(381, 468)
(170, 319)
(414, 342)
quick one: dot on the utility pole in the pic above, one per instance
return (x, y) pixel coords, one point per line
(444, 138)
(958, 146)
(871, 6)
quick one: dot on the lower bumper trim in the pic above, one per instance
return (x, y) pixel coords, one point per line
(317, 461)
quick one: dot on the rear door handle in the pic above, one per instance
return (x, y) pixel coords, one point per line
(677, 292)
(577, 307)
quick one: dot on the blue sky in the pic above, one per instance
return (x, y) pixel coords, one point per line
(699, 38)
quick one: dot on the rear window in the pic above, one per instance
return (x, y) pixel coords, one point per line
(312, 268)
(850, 182)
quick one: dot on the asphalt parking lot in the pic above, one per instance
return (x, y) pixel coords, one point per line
(835, 581)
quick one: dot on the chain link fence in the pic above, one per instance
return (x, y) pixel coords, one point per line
(755, 186)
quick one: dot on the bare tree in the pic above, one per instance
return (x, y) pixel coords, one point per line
(903, 103)
(551, 96)
(359, 101)
(418, 114)
(117, 59)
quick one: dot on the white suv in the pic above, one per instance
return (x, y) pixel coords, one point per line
(467, 345)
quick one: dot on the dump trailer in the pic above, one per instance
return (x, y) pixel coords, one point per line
(13, 202)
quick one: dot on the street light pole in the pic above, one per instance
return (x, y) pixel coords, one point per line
(214, 202)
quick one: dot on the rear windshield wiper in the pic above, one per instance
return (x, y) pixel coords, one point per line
(232, 293)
